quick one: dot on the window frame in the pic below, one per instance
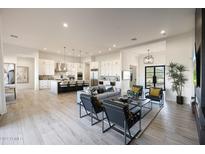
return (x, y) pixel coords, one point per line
(154, 75)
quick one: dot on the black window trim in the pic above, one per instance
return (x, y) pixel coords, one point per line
(154, 66)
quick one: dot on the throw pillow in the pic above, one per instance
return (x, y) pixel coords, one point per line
(155, 92)
(101, 89)
(136, 89)
(94, 91)
(110, 89)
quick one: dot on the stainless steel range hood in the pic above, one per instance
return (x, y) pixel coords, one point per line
(61, 67)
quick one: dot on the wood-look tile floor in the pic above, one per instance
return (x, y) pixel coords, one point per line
(175, 124)
(39, 117)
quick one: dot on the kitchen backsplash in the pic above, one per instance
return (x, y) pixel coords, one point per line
(46, 77)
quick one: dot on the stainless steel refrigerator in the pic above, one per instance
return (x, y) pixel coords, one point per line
(94, 77)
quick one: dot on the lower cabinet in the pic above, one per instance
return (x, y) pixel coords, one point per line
(44, 84)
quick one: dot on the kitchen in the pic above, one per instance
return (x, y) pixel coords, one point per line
(106, 73)
(73, 75)
(61, 76)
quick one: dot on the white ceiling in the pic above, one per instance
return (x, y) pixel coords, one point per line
(91, 30)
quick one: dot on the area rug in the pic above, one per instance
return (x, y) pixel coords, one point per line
(113, 137)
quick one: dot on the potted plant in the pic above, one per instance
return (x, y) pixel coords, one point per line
(176, 74)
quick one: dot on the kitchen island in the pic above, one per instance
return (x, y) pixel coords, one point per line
(62, 86)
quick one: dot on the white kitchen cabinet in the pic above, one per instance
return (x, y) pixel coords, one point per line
(113, 68)
(116, 68)
(106, 83)
(110, 68)
(80, 67)
(102, 69)
(44, 84)
(106, 68)
(41, 67)
(94, 65)
(71, 69)
(46, 67)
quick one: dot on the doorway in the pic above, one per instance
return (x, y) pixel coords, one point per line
(133, 78)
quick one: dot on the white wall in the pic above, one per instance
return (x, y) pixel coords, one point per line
(13, 53)
(127, 58)
(159, 59)
(179, 49)
(174, 49)
(58, 57)
(2, 90)
(107, 57)
(134, 56)
(23, 61)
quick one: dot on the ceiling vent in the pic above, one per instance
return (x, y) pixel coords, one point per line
(14, 36)
(134, 39)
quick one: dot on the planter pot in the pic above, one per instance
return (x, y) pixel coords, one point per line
(180, 100)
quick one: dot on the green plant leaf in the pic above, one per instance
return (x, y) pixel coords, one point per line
(176, 74)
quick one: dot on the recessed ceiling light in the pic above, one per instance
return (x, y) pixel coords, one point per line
(114, 45)
(65, 25)
(100, 51)
(44, 48)
(109, 49)
(163, 32)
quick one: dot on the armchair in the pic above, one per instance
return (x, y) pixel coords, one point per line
(92, 107)
(118, 113)
(156, 95)
(136, 91)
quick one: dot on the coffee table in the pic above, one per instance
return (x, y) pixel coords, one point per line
(144, 104)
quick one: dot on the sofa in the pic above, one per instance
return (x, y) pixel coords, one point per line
(100, 92)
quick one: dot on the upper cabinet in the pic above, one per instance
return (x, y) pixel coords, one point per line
(94, 65)
(80, 67)
(46, 67)
(110, 68)
(102, 69)
(71, 69)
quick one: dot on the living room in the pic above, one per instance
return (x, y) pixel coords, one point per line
(63, 82)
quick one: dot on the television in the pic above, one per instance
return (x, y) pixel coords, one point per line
(126, 75)
(197, 75)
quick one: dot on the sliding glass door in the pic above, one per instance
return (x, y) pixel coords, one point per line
(155, 76)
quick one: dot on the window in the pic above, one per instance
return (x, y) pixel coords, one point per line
(155, 76)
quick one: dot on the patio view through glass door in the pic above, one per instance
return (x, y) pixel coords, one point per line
(155, 76)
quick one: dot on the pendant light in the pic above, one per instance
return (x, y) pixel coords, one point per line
(149, 59)
(73, 52)
(64, 63)
(80, 59)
